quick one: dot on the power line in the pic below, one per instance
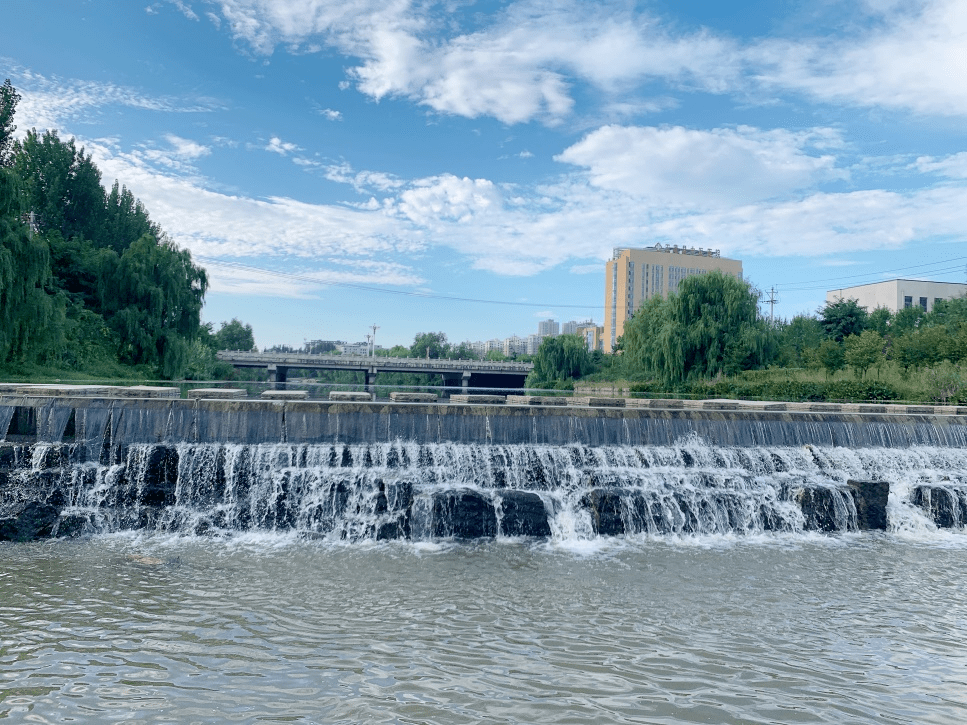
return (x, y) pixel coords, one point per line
(874, 274)
(944, 270)
(367, 288)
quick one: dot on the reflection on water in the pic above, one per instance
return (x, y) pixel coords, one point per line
(797, 629)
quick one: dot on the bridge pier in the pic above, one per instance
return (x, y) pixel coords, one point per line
(277, 376)
(371, 382)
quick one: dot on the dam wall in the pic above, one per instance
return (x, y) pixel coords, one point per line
(400, 471)
(96, 420)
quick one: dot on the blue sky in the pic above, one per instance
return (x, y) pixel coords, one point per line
(340, 164)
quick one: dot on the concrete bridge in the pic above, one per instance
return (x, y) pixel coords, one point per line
(455, 373)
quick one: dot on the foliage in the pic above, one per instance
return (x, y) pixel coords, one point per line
(234, 335)
(430, 345)
(842, 319)
(947, 382)
(155, 303)
(830, 356)
(710, 327)
(8, 106)
(863, 351)
(803, 334)
(559, 358)
(31, 319)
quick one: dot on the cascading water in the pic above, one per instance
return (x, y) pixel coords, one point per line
(416, 491)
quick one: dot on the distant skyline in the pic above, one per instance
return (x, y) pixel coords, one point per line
(468, 167)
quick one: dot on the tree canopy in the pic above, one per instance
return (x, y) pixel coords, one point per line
(710, 326)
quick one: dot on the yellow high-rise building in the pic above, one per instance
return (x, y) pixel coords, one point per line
(635, 275)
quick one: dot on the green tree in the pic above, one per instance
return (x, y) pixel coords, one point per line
(879, 320)
(907, 320)
(711, 326)
(863, 351)
(31, 319)
(234, 335)
(562, 357)
(430, 345)
(797, 338)
(62, 186)
(8, 106)
(155, 296)
(831, 356)
(843, 318)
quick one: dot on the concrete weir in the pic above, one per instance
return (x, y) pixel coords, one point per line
(466, 469)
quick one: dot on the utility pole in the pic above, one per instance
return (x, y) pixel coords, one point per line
(772, 303)
(375, 328)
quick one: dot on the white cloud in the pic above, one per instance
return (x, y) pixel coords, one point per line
(699, 168)
(53, 103)
(230, 278)
(914, 59)
(185, 148)
(954, 167)
(330, 114)
(448, 198)
(185, 9)
(278, 146)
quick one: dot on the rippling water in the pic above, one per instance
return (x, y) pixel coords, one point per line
(849, 629)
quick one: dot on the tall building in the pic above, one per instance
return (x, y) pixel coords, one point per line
(548, 328)
(635, 275)
(896, 294)
(593, 335)
(571, 328)
(533, 344)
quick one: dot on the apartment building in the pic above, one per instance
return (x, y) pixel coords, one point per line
(635, 275)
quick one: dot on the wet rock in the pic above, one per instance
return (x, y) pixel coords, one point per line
(946, 506)
(71, 526)
(524, 514)
(604, 505)
(818, 507)
(870, 498)
(34, 521)
(464, 515)
(159, 477)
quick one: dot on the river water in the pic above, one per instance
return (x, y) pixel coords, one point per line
(797, 628)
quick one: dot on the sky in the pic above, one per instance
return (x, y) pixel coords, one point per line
(468, 167)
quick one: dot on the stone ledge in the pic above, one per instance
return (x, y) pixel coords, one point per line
(413, 397)
(597, 402)
(285, 395)
(217, 393)
(479, 399)
(664, 403)
(146, 391)
(350, 395)
(536, 400)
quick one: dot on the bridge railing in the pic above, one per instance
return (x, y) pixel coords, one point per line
(362, 361)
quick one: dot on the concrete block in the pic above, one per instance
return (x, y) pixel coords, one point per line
(824, 407)
(918, 410)
(536, 400)
(217, 393)
(597, 402)
(413, 397)
(66, 391)
(863, 408)
(720, 404)
(285, 394)
(145, 391)
(350, 395)
(479, 399)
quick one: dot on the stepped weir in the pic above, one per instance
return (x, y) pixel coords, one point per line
(388, 471)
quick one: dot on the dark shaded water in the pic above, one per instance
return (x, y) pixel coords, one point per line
(787, 628)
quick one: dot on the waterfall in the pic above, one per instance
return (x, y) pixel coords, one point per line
(408, 490)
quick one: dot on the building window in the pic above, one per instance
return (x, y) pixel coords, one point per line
(923, 303)
(907, 302)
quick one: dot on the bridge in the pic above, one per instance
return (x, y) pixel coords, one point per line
(455, 373)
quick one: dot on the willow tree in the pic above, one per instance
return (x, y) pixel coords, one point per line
(31, 318)
(153, 295)
(710, 326)
(559, 358)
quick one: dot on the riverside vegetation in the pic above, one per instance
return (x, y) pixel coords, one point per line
(92, 288)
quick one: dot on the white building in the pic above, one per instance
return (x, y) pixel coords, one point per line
(514, 345)
(533, 344)
(354, 348)
(548, 328)
(897, 294)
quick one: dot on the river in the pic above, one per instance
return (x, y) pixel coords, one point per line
(267, 627)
